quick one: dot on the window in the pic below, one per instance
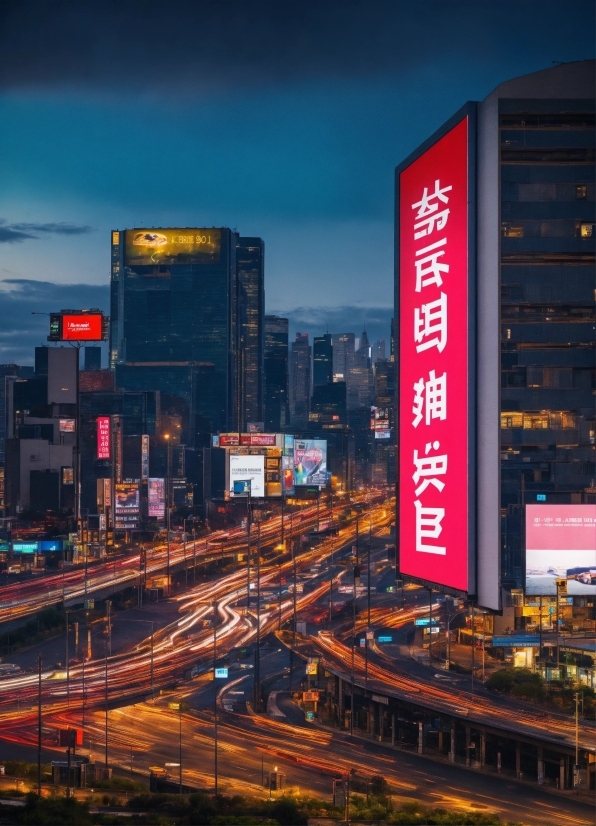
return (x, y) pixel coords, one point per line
(509, 231)
(586, 230)
(581, 191)
(512, 419)
(535, 421)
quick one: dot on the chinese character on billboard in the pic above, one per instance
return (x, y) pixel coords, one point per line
(84, 327)
(104, 438)
(248, 467)
(157, 498)
(149, 247)
(127, 504)
(310, 462)
(435, 401)
(560, 544)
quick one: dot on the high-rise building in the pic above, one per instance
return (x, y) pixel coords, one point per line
(378, 350)
(300, 359)
(526, 358)
(178, 317)
(363, 354)
(250, 269)
(277, 415)
(344, 346)
(322, 359)
(92, 358)
(540, 187)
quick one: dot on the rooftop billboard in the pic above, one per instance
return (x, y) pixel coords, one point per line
(248, 467)
(560, 544)
(171, 246)
(435, 312)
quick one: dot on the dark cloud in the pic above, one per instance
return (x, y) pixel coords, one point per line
(203, 45)
(345, 319)
(14, 233)
(20, 330)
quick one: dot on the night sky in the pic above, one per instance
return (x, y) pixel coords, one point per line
(280, 118)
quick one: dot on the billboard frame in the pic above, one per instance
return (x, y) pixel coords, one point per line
(470, 111)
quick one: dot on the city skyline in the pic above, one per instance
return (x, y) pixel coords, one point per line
(317, 186)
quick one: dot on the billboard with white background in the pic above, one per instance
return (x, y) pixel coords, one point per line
(247, 467)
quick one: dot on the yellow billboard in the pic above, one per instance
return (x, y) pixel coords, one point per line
(146, 247)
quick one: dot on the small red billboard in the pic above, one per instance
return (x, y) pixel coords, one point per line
(435, 344)
(104, 441)
(82, 327)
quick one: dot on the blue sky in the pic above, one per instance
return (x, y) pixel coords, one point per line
(284, 120)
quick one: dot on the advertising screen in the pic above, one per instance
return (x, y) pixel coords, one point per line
(310, 462)
(24, 547)
(144, 457)
(156, 493)
(67, 425)
(104, 438)
(248, 467)
(86, 327)
(258, 439)
(380, 422)
(287, 473)
(560, 544)
(147, 247)
(127, 503)
(434, 312)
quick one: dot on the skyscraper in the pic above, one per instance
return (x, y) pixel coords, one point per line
(276, 373)
(181, 322)
(300, 381)
(250, 269)
(322, 360)
(343, 354)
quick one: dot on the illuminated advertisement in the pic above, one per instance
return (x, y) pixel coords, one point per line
(144, 457)
(287, 474)
(67, 425)
(258, 439)
(86, 327)
(248, 467)
(380, 422)
(435, 342)
(229, 439)
(68, 476)
(104, 438)
(147, 247)
(560, 544)
(157, 498)
(127, 504)
(310, 462)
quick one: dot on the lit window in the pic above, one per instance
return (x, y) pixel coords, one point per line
(581, 191)
(535, 421)
(509, 231)
(512, 419)
(587, 230)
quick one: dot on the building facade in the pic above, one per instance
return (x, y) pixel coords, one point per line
(300, 381)
(250, 343)
(277, 414)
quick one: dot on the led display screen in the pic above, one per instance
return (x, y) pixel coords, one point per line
(87, 327)
(310, 462)
(248, 467)
(560, 544)
(434, 312)
(104, 441)
(146, 247)
(157, 498)
(127, 504)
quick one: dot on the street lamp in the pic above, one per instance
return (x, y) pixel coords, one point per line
(168, 507)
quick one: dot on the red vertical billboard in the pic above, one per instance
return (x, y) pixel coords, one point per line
(435, 302)
(104, 440)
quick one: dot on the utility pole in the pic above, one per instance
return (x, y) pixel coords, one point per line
(214, 695)
(106, 702)
(258, 651)
(67, 665)
(576, 767)
(39, 725)
(248, 524)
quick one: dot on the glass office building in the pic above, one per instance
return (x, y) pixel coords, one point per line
(277, 414)
(180, 311)
(547, 221)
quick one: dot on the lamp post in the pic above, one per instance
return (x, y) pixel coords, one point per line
(168, 508)
(215, 773)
